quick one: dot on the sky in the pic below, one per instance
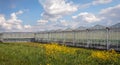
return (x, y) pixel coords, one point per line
(42, 15)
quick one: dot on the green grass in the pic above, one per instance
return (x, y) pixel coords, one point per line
(52, 54)
(19, 54)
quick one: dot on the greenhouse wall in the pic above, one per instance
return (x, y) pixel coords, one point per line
(108, 38)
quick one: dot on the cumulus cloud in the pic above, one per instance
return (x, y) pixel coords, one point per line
(3, 23)
(55, 9)
(86, 17)
(58, 7)
(13, 23)
(14, 19)
(10, 24)
(2, 19)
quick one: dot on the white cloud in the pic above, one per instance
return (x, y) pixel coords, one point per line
(107, 16)
(58, 7)
(27, 26)
(2, 19)
(111, 14)
(86, 17)
(69, 24)
(17, 27)
(3, 23)
(6, 26)
(52, 18)
(42, 21)
(64, 22)
(14, 19)
(13, 24)
(96, 2)
(114, 9)
(19, 12)
(55, 9)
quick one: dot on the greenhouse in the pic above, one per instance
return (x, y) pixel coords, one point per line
(100, 38)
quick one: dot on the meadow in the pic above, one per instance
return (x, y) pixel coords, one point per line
(54, 54)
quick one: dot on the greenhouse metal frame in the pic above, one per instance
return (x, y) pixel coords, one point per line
(107, 38)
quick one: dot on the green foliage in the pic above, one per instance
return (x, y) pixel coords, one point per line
(18, 54)
(53, 54)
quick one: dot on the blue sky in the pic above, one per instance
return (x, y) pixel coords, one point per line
(31, 8)
(37, 15)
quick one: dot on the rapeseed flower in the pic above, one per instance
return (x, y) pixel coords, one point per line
(105, 55)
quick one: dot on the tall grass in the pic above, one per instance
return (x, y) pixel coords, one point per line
(20, 54)
(54, 54)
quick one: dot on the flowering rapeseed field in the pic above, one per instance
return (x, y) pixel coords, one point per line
(57, 55)
(54, 54)
(106, 56)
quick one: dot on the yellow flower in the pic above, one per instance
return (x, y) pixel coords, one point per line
(54, 51)
(48, 64)
(105, 55)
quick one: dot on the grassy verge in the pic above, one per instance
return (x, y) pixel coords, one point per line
(53, 54)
